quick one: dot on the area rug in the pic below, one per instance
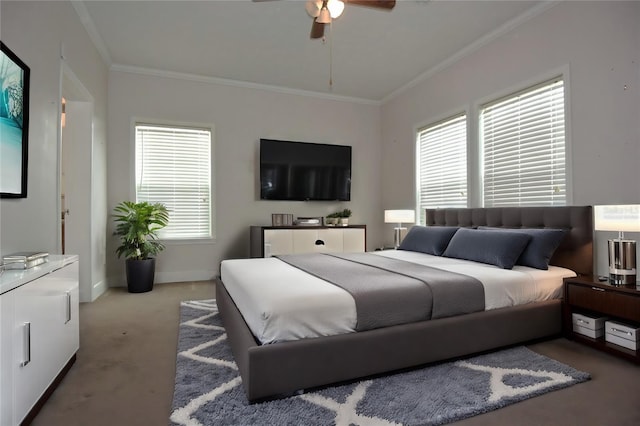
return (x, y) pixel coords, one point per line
(208, 389)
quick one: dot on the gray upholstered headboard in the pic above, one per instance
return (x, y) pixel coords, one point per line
(575, 251)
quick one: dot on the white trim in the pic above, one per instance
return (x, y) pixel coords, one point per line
(476, 106)
(482, 41)
(466, 110)
(190, 241)
(92, 30)
(174, 123)
(236, 83)
(120, 280)
(98, 290)
(568, 141)
(183, 276)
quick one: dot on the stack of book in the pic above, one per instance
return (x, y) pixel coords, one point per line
(24, 260)
(281, 219)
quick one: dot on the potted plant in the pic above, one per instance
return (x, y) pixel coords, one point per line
(137, 225)
(344, 217)
(332, 219)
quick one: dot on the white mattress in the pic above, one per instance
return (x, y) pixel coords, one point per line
(281, 303)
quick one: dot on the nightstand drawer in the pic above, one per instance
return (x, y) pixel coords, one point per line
(605, 301)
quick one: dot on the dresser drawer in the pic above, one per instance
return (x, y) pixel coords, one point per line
(605, 301)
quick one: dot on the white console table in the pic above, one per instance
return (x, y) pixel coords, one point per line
(39, 334)
(267, 241)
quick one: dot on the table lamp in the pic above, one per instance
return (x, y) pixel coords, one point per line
(399, 216)
(622, 252)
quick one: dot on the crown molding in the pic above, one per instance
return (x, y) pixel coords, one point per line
(94, 35)
(236, 83)
(482, 41)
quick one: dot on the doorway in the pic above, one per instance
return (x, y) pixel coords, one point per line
(75, 176)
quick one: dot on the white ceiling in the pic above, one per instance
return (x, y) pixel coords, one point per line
(374, 53)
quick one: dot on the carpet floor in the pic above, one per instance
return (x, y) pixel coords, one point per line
(126, 369)
(209, 391)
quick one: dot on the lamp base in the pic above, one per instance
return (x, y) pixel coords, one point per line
(622, 262)
(397, 236)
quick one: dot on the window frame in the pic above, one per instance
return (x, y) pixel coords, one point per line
(481, 141)
(472, 110)
(212, 196)
(418, 130)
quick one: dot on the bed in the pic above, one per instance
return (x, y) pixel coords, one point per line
(281, 368)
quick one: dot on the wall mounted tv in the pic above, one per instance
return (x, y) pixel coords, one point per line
(298, 171)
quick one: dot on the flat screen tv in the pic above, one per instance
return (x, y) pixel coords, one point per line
(299, 171)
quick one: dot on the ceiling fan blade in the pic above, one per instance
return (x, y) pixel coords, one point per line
(317, 29)
(380, 4)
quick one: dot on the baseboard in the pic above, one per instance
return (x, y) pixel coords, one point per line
(182, 276)
(98, 289)
(168, 277)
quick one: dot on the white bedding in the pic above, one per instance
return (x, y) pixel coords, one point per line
(280, 302)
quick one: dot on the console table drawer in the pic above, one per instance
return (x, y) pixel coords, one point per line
(606, 301)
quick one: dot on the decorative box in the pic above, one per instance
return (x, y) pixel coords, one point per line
(24, 260)
(589, 326)
(622, 334)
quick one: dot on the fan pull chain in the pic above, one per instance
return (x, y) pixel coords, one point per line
(331, 55)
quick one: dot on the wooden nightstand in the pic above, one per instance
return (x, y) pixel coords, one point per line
(589, 296)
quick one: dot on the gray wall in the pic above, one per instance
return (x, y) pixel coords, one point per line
(598, 43)
(38, 32)
(240, 116)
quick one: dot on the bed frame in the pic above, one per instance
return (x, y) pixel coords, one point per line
(283, 368)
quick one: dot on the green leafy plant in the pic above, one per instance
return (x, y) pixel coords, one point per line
(137, 225)
(339, 214)
(344, 213)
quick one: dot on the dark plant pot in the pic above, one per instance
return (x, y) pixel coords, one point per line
(140, 274)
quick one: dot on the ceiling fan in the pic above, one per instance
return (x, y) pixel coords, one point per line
(324, 11)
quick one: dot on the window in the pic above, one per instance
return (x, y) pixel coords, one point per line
(173, 167)
(442, 164)
(518, 159)
(524, 148)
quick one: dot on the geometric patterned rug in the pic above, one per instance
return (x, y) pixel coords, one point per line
(208, 389)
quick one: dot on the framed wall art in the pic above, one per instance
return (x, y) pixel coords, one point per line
(14, 124)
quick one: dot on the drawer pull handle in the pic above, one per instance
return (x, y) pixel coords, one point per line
(621, 331)
(26, 334)
(582, 321)
(319, 242)
(68, 293)
(597, 289)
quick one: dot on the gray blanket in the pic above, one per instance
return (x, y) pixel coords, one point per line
(390, 291)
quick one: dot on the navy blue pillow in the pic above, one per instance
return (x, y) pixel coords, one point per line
(495, 248)
(543, 244)
(428, 239)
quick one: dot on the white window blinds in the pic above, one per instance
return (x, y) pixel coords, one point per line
(523, 143)
(442, 164)
(173, 167)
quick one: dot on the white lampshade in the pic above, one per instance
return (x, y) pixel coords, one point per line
(624, 218)
(399, 216)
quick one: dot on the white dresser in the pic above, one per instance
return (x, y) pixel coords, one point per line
(39, 334)
(269, 241)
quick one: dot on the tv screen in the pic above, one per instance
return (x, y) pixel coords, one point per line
(298, 171)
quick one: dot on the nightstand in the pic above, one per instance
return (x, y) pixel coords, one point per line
(589, 296)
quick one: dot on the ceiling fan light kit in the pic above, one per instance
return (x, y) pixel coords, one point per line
(324, 11)
(336, 7)
(324, 17)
